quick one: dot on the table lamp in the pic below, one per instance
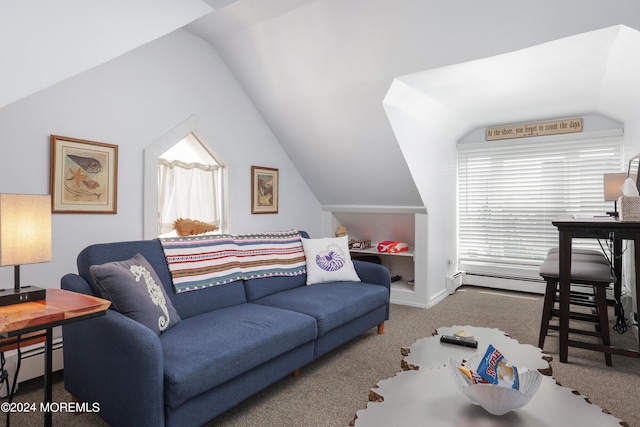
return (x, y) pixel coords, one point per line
(612, 183)
(25, 238)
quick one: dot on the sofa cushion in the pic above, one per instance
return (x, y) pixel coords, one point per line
(188, 303)
(206, 350)
(329, 260)
(198, 262)
(108, 252)
(259, 288)
(134, 289)
(331, 304)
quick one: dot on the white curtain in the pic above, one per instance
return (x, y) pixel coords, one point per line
(188, 190)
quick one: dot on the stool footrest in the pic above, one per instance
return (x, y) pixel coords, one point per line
(583, 317)
(607, 349)
(577, 331)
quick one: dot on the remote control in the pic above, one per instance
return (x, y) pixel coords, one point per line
(466, 342)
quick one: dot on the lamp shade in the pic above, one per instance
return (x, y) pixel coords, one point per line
(612, 183)
(25, 229)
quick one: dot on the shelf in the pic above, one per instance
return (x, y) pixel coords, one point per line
(374, 251)
(381, 223)
(402, 284)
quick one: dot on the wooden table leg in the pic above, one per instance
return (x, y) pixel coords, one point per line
(565, 287)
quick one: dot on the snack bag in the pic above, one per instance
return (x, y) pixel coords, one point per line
(392, 247)
(472, 376)
(396, 247)
(384, 245)
(495, 369)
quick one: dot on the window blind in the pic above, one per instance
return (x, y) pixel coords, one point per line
(510, 191)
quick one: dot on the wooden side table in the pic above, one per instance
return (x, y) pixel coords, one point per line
(7, 344)
(60, 307)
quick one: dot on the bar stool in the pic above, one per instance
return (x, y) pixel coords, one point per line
(589, 269)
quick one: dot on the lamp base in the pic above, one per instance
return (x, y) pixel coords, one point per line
(25, 294)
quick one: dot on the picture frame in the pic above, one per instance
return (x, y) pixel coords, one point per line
(264, 190)
(83, 176)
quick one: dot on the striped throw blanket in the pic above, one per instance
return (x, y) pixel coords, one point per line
(198, 262)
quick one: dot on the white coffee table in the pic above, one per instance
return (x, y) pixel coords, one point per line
(427, 395)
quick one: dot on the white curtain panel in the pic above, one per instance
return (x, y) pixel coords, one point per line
(187, 190)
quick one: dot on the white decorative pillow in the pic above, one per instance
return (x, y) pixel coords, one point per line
(329, 260)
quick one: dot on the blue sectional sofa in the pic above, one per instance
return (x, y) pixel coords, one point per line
(232, 340)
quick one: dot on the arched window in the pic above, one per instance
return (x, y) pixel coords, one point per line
(184, 178)
(190, 182)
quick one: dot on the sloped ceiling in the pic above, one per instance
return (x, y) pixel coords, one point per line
(318, 72)
(583, 74)
(44, 42)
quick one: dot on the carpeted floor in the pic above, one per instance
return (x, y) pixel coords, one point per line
(331, 390)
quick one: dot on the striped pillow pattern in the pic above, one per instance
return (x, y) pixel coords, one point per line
(198, 262)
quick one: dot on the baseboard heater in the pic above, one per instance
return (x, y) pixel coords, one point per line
(505, 281)
(32, 363)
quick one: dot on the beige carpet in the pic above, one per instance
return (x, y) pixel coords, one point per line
(331, 390)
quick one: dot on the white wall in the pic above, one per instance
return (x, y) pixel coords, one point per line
(631, 136)
(431, 157)
(131, 102)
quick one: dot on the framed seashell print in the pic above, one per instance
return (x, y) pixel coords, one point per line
(264, 190)
(83, 176)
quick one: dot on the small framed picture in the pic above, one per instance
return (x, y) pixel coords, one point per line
(83, 176)
(264, 190)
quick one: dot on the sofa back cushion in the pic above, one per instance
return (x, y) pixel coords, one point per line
(199, 262)
(261, 287)
(187, 304)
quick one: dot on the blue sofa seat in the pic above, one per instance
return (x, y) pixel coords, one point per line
(226, 343)
(331, 304)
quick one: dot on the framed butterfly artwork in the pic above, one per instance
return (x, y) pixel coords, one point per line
(83, 176)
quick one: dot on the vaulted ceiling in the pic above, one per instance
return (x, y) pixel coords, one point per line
(319, 70)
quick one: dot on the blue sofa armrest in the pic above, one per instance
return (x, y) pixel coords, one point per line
(116, 362)
(373, 273)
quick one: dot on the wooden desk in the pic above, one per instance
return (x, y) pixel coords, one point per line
(60, 307)
(593, 228)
